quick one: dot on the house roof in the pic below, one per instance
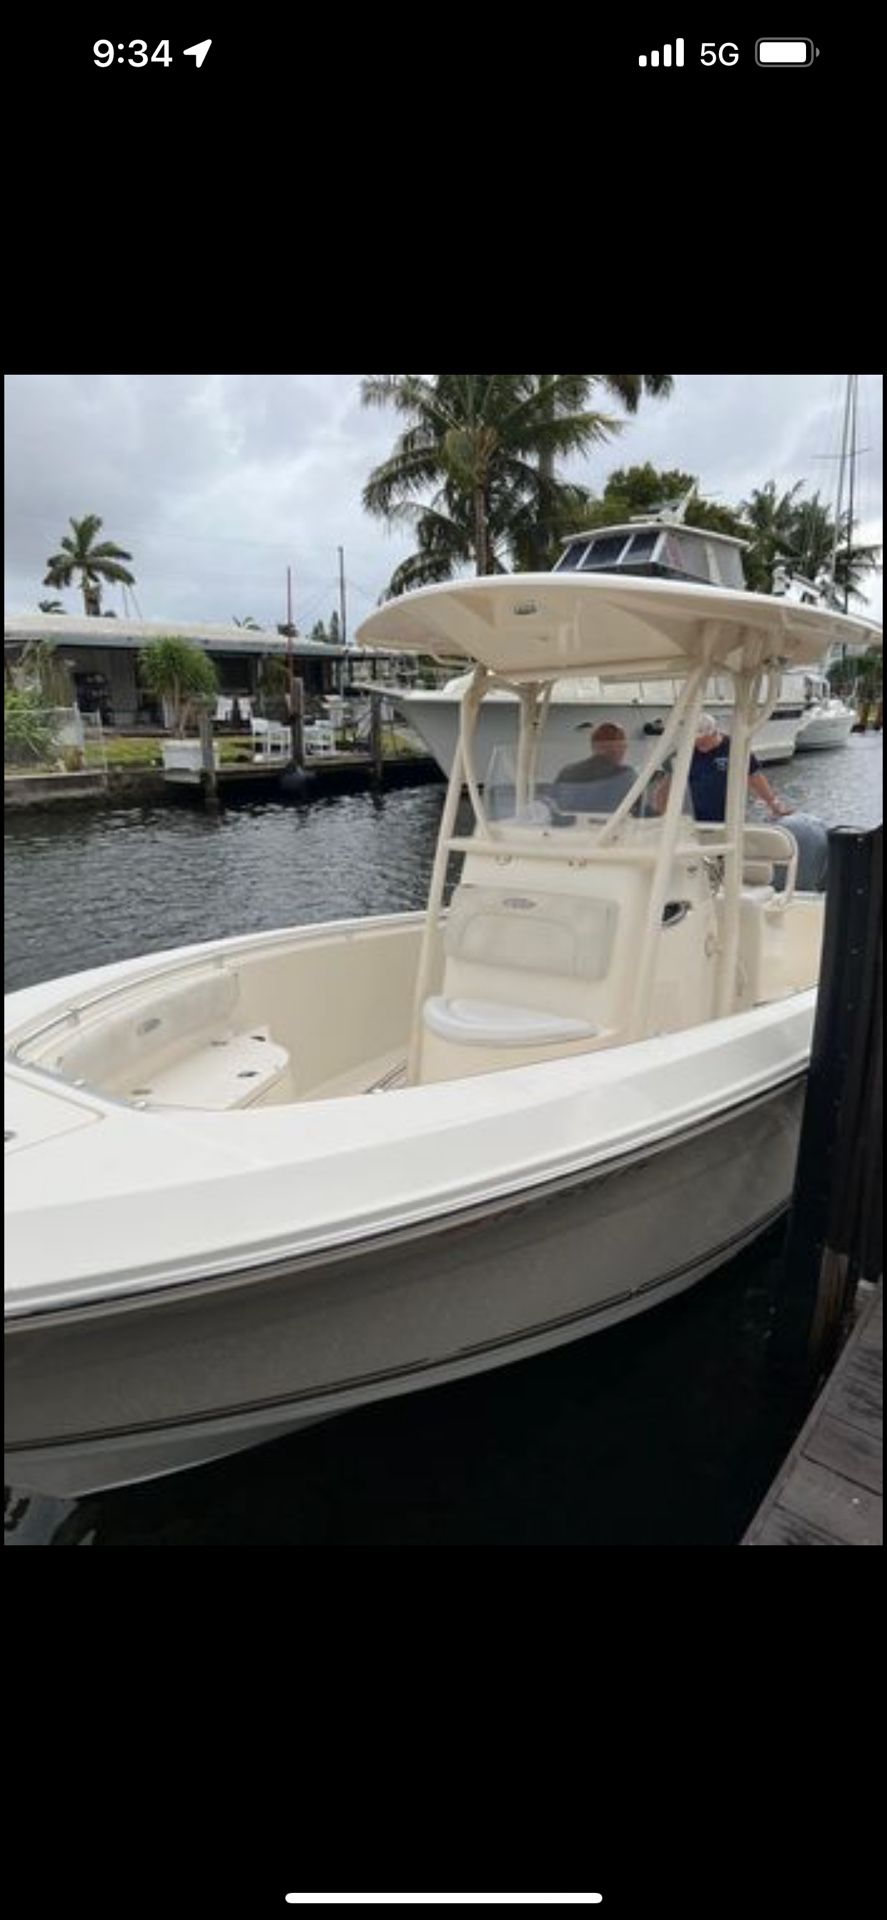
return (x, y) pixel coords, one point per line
(80, 631)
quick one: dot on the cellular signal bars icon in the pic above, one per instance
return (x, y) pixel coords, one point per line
(653, 59)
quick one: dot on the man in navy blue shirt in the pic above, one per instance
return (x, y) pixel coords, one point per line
(707, 778)
(707, 782)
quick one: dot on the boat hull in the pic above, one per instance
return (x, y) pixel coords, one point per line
(826, 730)
(132, 1388)
(435, 718)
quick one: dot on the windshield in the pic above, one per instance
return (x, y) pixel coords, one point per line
(576, 779)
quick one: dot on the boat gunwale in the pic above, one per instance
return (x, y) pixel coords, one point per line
(524, 1189)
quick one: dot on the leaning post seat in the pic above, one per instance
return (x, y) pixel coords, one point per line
(522, 964)
(488, 1023)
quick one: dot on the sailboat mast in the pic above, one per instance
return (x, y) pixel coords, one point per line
(854, 381)
(344, 633)
(842, 468)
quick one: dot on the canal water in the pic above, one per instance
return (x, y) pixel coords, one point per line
(666, 1430)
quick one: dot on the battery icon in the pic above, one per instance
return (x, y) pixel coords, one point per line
(785, 53)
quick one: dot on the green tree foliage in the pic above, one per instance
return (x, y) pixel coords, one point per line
(42, 671)
(174, 670)
(783, 526)
(555, 512)
(775, 525)
(638, 490)
(95, 561)
(275, 675)
(484, 447)
(29, 734)
(863, 677)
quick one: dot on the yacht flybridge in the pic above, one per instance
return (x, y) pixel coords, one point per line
(656, 546)
(240, 1175)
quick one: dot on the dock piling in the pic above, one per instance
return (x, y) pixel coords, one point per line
(297, 722)
(835, 1232)
(208, 777)
(376, 749)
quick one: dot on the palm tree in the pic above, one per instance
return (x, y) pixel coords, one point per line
(94, 563)
(770, 519)
(554, 514)
(803, 532)
(813, 533)
(485, 444)
(249, 622)
(50, 606)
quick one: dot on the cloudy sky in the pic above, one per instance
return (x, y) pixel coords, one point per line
(216, 483)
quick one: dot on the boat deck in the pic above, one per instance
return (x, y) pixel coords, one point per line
(829, 1492)
(383, 1074)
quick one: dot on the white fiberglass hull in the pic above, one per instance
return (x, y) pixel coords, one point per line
(125, 1394)
(182, 1285)
(435, 717)
(824, 729)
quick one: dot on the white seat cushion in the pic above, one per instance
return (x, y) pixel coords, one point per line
(487, 1023)
(233, 1071)
(109, 1046)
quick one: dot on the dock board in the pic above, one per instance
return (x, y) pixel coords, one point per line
(829, 1491)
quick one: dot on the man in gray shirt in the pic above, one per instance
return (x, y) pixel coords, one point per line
(596, 785)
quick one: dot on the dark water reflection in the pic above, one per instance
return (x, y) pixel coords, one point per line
(100, 886)
(666, 1430)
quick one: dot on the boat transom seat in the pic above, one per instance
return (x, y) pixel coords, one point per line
(516, 965)
(177, 1043)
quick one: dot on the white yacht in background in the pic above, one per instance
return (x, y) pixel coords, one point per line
(263, 1180)
(657, 546)
(828, 721)
(641, 707)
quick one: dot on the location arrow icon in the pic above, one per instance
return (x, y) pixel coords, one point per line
(200, 51)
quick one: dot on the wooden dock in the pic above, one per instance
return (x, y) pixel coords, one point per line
(255, 772)
(829, 1492)
(327, 773)
(41, 790)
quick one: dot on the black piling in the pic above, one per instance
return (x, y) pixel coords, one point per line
(297, 723)
(835, 1225)
(377, 754)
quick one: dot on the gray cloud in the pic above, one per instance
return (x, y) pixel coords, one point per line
(216, 483)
